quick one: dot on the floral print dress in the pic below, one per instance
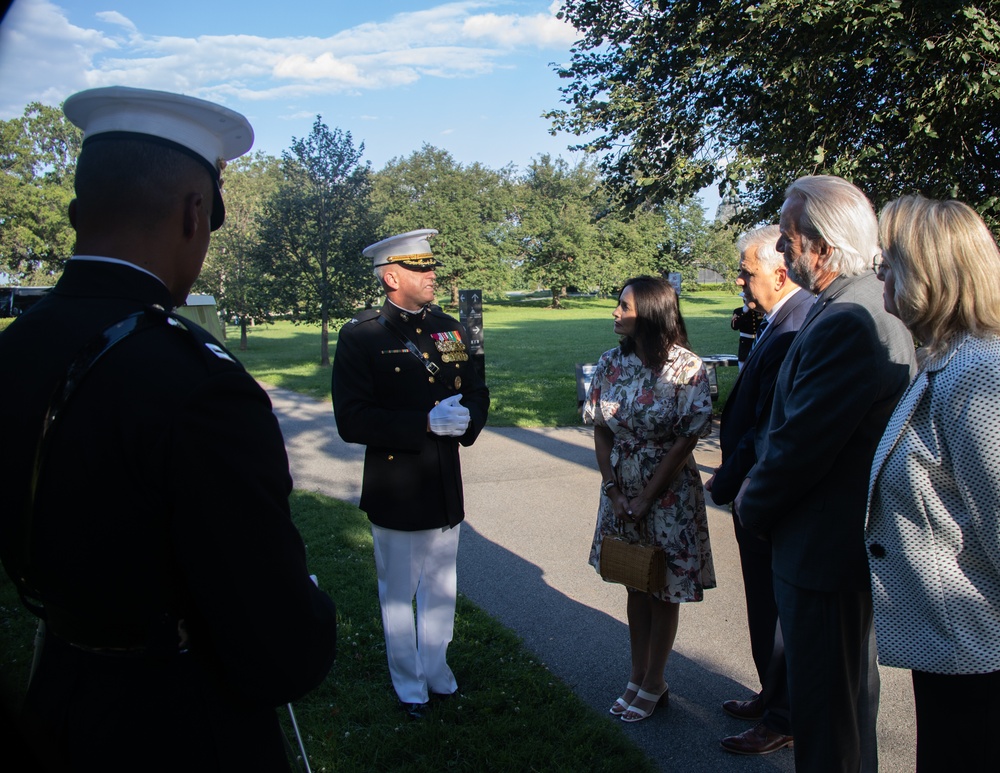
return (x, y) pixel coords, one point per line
(647, 412)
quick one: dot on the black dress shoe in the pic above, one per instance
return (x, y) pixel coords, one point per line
(759, 739)
(752, 710)
(415, 710)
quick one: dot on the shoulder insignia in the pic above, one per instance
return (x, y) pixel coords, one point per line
(364, 316)
(219, 352)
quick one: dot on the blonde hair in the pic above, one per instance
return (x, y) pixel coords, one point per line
(946, 268)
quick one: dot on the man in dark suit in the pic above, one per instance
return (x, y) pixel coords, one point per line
(841, 379)
(403, 386)
(146, 516)
(784, 304)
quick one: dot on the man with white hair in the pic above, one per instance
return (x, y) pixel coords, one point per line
(841, 379)
(768, 290)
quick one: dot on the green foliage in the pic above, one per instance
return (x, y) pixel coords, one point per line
(557, 212)
(235, 270)
(896, 95)
(531, 353)
(37, 161)
(472, 207)
(317, 222)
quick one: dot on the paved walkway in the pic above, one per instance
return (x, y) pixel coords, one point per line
(531, 499)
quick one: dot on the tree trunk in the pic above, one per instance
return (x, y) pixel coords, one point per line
(243, 334)
(555, 299)
(454, 293)
(324, 337)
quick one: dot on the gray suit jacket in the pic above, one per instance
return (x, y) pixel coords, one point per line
(838, 385)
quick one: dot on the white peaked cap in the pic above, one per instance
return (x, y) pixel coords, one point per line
(412, 249)
(208, 132)
(214, 132)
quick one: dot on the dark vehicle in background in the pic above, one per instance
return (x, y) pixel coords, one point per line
(17, 300)
(201, 309)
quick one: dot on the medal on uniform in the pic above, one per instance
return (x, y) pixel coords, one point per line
(450, 345)
(458, 382)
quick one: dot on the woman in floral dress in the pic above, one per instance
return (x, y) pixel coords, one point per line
(649, 402)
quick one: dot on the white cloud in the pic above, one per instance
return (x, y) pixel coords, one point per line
(509, 31)
(451, 40)
(33, 26)
(326, 66)
(113, 17)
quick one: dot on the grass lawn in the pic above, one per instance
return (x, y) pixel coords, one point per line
(531, 353)
(511, 714)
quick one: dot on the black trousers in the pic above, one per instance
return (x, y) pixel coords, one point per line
(832, 677)
(766, 641)
(957, 718)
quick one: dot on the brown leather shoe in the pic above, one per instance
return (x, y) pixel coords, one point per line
(752, 710)
(759, 739)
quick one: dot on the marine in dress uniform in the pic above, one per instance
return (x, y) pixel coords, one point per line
(155, 539)
(745, 321)
(404, 387)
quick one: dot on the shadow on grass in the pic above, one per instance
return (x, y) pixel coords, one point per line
(510, 713)
(588, 649)
(533, 486)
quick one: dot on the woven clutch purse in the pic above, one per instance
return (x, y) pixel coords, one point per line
(642, 567)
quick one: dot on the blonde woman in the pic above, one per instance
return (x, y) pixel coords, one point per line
(933, 528)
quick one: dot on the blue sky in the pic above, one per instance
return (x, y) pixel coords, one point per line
(472, 77)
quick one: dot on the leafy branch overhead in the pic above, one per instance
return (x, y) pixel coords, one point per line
(899, 96)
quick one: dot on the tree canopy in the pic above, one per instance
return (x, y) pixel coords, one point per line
(558, 224)
(316, 224)
(899, 96)
(471, 206)
(236, 270)
(38, 153)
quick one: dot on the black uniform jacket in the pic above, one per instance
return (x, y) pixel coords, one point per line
(163, 498)
(382, 394)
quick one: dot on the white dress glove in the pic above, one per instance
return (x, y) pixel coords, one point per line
(449, 418)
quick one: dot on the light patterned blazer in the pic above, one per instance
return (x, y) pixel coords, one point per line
(933, 525)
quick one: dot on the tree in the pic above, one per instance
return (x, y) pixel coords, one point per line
(38, 155)
(557, 227)
(629, 245)
(236, 268)
(316, 225)
(471, 206)
(692, 242)
(895, 95)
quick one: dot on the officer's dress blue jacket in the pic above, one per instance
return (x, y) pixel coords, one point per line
(163, 498)
(382, 394)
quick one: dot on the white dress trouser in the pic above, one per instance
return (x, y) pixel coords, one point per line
(421, 564)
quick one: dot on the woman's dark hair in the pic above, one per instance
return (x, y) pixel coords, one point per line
(658, 324)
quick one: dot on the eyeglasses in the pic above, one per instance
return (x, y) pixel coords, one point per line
(878, 263)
